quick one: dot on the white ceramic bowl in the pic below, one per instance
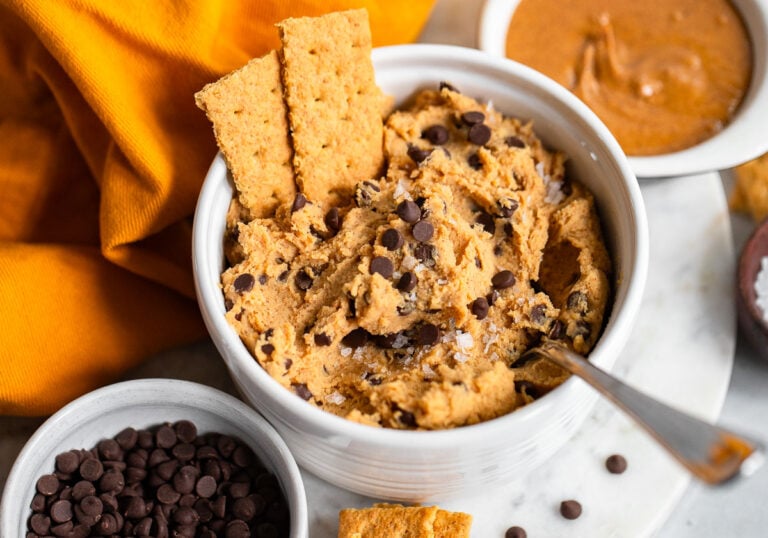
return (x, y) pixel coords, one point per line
(743, 139)
(421, 465)
(145, 403)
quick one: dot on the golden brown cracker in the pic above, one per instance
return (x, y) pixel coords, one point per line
(334, 105)
(250, 123)
(452, 524)
(750, 191)
(388, 521)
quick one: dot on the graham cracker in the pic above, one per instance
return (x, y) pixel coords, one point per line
(398, 521)
(334, 106)
(250, 123)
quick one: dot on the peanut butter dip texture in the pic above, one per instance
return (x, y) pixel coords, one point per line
(663, 75)
(408, 303)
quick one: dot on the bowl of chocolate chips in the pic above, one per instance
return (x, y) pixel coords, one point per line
(154, 457)
(450, 212)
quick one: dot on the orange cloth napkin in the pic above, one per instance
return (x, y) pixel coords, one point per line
(102, 154)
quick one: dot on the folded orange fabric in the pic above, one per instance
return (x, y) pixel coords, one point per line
(102, 156)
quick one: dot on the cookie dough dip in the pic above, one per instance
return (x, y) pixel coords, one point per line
(404, 299)
(662, 75)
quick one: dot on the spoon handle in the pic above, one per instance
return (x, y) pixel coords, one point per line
(711, 453)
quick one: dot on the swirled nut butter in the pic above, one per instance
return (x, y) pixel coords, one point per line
(663, 75)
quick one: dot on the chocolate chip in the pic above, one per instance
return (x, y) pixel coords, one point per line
(407, 418)
(303, 280)
(127, 438)
(507, 207)
(515, 532)
(282, 277)
(333, 220)
(474, 162)
(423, 231)
(355, 338)
(503, 279)
(417, 154)
(48, 484)
(167, 495)
(480, 307)
(616, 464)
(436, 134)
(428, 334)
(298, 202)
(508, 229)
(479, 134)
(322, 339)
(382, 265)
(392, 239)
(487, 222)
(539, 314)
(514, 142)
(498, 250)
(582, 329)
(165, 437)
(267, 349)
(407, 282)
(91, 469)
(61, 511)
(408, 211)
(244, 283)
(67, 462)
(40, 524)
(473, 117)
(185, 430)
(577, 301)
(557, 332)
(570, 509)
(237, 528)
(302, 390)
(206, 486)
(424, 252)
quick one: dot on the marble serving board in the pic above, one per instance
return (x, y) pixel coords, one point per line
(681, 352)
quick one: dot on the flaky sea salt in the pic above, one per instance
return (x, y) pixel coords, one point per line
(464, 340)
(761, 287)
(335, 398)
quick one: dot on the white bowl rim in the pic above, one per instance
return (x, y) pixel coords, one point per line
(745, 130)
(432, 439)
(167, 390)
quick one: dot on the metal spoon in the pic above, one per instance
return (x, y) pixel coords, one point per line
(711, 453)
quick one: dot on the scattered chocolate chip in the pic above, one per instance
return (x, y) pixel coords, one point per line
(322, 339)
(507, 207)
(539, 314)
(577, 301)
(244, 283)
(355, 338)
(263, 279)
(428, 334)
(423, 231)
(298, 202)
(508, 229)
(498, 249)
(424, 253)
(282, 277)
(473, 117)
(386, 341)
(570, 509)
(515, 532)
(492, 297)
(487, 222)
(408, 211)
(479, 134)
(480, 307)
(474, 162)
(392, 239)
(616, 464)
(382, 265)
(333, 220)
(436, 134)
(503, 279)
(302, 390)
(267, 349)
(514, 142)
(407, 418)
(417, 154)
(303, 280)
(557, 331)
(407, 282)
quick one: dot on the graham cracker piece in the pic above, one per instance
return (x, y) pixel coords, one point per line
(334, 106)
(250, 123)
(397, 521)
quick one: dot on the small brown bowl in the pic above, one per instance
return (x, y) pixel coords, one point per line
(751, 319)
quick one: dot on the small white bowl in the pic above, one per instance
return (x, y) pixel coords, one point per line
(141, 404)
(430, 465)
(743, 139)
